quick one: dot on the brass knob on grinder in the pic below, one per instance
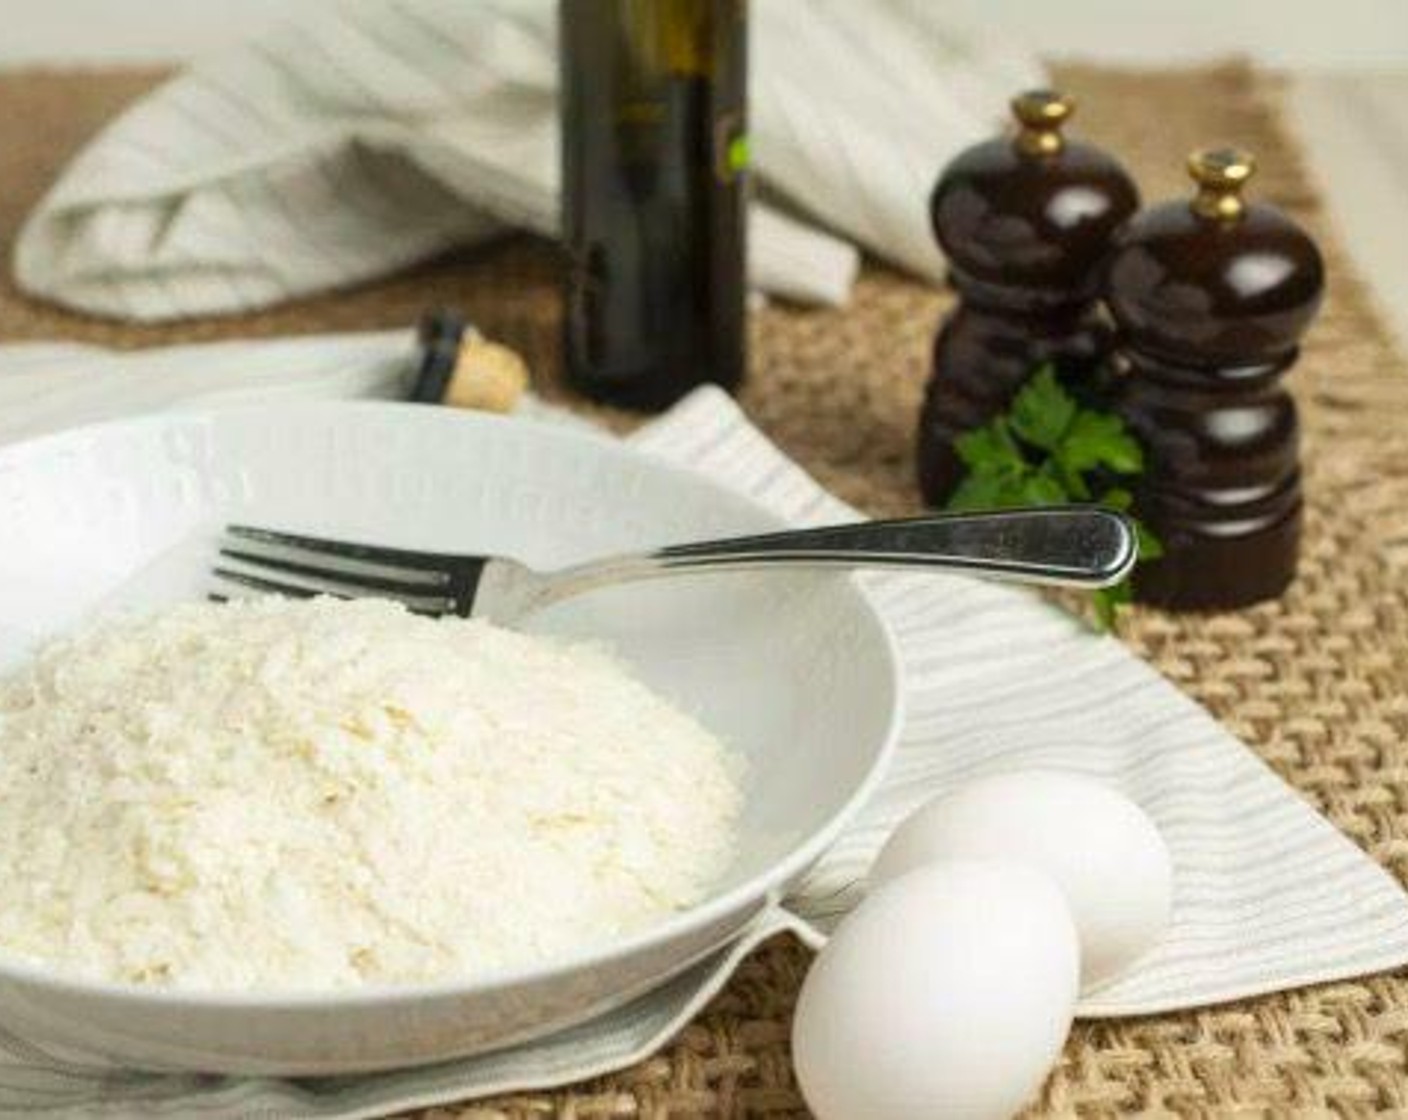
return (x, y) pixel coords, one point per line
(1220, 174)
(1041, 113)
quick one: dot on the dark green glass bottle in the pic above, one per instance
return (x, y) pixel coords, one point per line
(654, 156)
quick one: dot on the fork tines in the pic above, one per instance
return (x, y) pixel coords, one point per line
(269, 562)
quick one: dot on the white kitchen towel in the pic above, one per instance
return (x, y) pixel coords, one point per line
(358, 138)
(1267, 894)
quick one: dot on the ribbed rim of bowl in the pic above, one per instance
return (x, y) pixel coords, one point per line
(760, 890)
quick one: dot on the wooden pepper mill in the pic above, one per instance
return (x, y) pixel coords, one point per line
(1211, 299)
(1026, 223)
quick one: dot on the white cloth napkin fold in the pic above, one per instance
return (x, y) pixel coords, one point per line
(1267, 894)
(358, 138)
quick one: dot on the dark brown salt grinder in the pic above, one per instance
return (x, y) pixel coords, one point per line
(1211, 299)
(1026, 223)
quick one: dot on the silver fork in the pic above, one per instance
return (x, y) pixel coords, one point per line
(1067, 546)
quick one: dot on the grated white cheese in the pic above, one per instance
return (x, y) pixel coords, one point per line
(274, 794)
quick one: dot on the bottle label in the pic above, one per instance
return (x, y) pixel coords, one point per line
(738, 153)
(731, 150)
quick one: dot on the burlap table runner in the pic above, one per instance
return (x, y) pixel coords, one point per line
(1317, 683)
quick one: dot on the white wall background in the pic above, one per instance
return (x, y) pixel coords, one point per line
(1365, 34)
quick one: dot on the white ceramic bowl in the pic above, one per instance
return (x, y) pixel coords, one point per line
(793, 669)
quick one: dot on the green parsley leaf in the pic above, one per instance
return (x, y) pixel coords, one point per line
(1150, 547)
(1041, 489)
(1043, 410)
(989, 490)
(1108, 601)
(990, 448)
(1071, 481)
(1046, 450)
(1117, 498)
(1099, 439)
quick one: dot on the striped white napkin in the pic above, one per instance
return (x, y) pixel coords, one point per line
(358, 138)
(1267, 894)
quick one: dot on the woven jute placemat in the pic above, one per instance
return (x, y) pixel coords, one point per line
(1317, 683)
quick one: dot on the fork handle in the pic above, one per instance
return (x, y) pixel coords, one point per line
(1070, 546)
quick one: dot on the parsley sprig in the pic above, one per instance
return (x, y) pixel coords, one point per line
(1048, 449)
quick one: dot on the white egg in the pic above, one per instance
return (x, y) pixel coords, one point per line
(1100, 847)
(947, 993)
